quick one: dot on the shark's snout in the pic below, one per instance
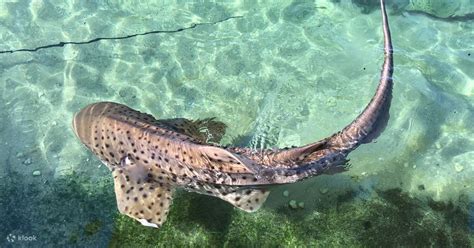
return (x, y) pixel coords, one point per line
(83, 120)
(75, 120)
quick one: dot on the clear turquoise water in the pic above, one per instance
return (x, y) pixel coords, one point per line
(284, 73)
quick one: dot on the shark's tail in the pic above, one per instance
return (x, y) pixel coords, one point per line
(373, 120)
(331, 152)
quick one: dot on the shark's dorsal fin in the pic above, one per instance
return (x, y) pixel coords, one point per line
(139, 197)
(299, 154)
(206, 130)
(219, 159)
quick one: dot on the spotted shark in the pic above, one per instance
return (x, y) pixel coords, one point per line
(150, 158)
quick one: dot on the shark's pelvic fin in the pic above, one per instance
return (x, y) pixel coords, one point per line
(249, 200)
(140, 198)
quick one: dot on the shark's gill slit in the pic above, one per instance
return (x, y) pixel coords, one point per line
(150, 158)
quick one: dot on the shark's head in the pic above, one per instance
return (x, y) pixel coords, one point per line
(83, 121)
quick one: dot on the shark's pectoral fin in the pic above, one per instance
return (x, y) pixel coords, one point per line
(249, 200)
(206, 130)
(141, 198)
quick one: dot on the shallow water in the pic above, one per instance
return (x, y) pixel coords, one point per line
(278, 73)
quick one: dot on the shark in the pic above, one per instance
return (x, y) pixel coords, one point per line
(151, 158)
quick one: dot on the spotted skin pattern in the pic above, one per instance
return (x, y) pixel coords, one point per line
(150, 158)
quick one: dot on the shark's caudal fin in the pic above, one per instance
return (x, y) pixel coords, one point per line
(140, 198)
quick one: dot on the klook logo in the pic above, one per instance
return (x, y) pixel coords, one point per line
(12, 238)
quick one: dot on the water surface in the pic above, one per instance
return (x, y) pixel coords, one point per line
(280, 73)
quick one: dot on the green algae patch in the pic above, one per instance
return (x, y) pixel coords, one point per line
(391, 217)
(93, 227)
(51, 205)
(261, 229)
